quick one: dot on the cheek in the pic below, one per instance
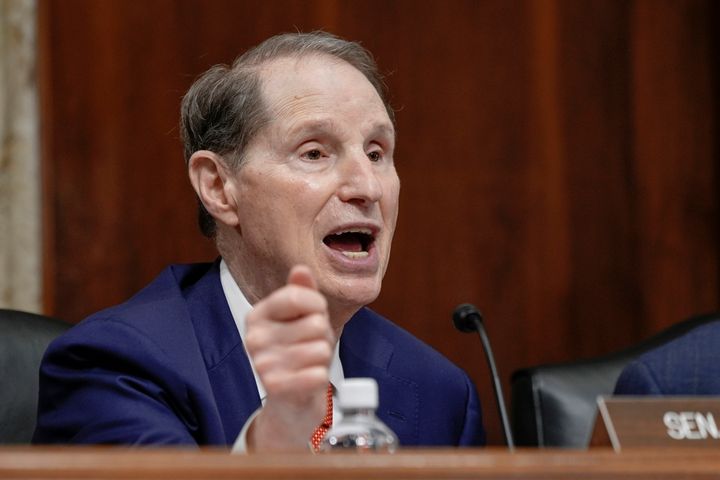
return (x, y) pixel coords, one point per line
(281, 205)
(264, 190)
(391, 199)
(261, 206)
(294, 199)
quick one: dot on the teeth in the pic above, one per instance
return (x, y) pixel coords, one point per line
(355, 254)
(366, 231)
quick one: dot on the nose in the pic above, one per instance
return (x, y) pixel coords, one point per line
(359, 182)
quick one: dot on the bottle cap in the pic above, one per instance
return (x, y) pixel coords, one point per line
(356, 393)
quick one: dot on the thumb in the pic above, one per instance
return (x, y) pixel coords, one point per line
(302, 276)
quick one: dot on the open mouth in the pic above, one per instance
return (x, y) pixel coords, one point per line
(354, 243)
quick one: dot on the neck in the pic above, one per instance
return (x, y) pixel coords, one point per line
(339, 317)
(338, 313)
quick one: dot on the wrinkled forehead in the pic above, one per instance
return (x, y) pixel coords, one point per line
(293, 79)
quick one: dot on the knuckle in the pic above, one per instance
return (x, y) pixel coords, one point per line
(317, 376)
(328, 349)
(253, 340)
(318, 325)
(294, 297)
(272, 383)
(323, 351)
(263, 365)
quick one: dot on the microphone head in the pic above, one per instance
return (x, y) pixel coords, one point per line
(466, 318)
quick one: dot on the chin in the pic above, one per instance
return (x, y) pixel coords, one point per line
(354, 295)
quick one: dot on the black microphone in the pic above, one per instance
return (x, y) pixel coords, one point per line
(468, 319)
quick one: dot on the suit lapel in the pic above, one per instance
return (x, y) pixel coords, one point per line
(366, 352)
(228, 367)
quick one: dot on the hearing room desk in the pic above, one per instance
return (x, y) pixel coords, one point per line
(123, 463)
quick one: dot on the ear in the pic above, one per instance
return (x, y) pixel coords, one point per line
(212, 180)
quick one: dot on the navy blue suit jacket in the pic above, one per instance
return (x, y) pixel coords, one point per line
(688, 365)
(168, 367)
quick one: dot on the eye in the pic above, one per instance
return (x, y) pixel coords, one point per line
(314, 154)
(375, 156)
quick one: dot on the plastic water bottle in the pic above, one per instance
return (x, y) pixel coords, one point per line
(359, 429)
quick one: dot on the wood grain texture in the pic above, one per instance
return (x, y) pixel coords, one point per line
(108, 463)
(558, 159)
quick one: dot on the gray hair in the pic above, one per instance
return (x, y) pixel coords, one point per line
(224, 108)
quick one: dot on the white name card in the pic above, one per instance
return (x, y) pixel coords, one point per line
(657, 421)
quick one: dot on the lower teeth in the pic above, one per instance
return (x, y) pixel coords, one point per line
(355, 254)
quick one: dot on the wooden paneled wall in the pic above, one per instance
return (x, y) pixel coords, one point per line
(559, 159)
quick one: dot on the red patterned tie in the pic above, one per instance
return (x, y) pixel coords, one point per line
(322, 429)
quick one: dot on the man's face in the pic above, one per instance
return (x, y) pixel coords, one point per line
(318, 184)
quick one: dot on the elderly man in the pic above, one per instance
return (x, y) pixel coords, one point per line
(290, 152)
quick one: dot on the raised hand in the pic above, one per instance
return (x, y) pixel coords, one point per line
(291, 343)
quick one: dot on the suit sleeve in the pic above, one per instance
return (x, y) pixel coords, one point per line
(637, 379)
(473, 433)
(106, 383)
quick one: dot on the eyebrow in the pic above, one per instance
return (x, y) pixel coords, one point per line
(386, 129)
(311, 126)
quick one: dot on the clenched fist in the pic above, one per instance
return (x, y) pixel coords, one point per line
(291, 343)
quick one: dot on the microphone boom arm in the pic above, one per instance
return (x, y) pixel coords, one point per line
(467, 318)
